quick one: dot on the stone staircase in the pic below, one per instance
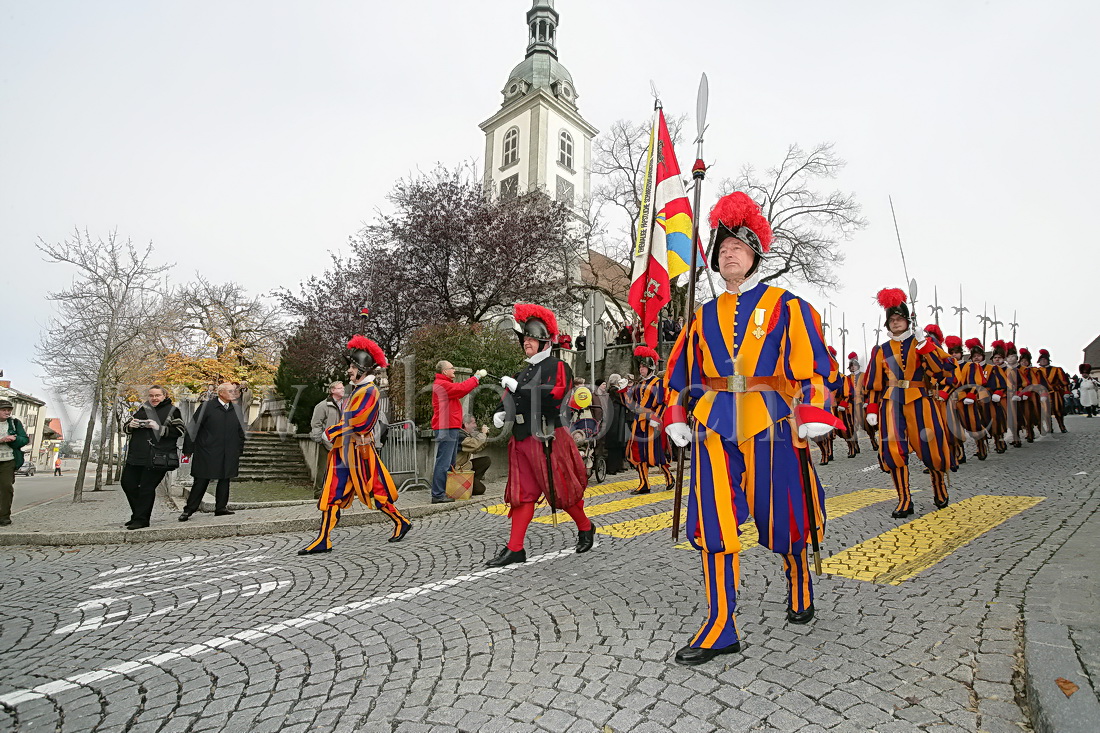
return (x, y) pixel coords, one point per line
(267, 457)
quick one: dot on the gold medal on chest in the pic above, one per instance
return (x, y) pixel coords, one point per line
(758, 319)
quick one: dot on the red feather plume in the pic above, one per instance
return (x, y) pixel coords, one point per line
(933, 330)
(891, 297)
(832, 350)
(523, 311)
(852, 356)
(1044, 352)
(738, 209)
(647, 352)
(999, 343)
(1024, 353)
(363, 343)
(953, 342)
(1009, 346)
(974, 343)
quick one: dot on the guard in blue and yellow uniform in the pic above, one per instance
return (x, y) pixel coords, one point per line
(752, 370)
(972, 404)
(646, 447)
(354, 468)
(900, 383)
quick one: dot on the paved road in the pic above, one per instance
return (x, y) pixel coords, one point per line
(244, 635)
(44, 486)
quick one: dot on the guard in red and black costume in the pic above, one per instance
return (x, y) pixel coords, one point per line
(1013, 384)
(996, 381)
(1029, 408)
(647, 446)
(354, 468)
(900, 383)
(849, 405)
(972, 396)
(1058, 383)
(543, 460)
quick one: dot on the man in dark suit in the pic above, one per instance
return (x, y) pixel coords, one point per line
(215, 440)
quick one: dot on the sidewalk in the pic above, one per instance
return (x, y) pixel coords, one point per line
(1062, 635)
(99, 519)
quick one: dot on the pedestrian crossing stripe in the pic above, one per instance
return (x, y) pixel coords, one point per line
(594, 491)
(900, 553)
(835, 508)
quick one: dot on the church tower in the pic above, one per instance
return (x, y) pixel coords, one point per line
(538, 139)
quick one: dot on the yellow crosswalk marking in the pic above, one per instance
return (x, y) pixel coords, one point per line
(610, 507)
(835, 508)
(593, 492)
(901, 553)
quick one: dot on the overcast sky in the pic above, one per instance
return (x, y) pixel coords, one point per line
(246, 140)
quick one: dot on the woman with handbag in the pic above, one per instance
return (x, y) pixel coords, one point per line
(154, 429)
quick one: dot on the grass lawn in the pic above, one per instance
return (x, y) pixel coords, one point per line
(270, 491)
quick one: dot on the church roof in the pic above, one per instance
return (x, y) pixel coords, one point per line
(540, 69)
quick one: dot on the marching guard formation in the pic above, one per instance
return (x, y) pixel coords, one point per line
(750, 382)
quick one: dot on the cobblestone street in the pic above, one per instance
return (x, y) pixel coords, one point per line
(916, 629)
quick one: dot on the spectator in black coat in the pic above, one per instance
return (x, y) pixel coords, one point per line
(154, 429)
(215, 440)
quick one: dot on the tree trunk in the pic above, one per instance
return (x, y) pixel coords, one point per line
(78, 488)
(112, 448)
(120, 439)
(102, 446)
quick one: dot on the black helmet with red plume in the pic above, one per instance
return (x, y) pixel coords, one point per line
(893, 300)
(365, 354)
(534, 321)
(647, 357)
(737, 215)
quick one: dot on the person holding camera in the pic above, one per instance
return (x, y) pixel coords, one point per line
(154, 429)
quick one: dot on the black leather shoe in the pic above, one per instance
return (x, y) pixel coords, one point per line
(136, 525)
(640, 491)
(800, 617)
(939, 505)
(507, 557)
(4, 522)
(184, 516)
(902, 513)
(224, 513)
(692, 656)
(401, 535)
(442, 500)
(315, 551)
(585, 538)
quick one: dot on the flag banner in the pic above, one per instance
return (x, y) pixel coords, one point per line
(662, 249)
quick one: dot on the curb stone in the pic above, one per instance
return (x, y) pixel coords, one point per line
(1049, 654)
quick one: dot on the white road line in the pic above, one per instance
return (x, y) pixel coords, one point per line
(173, 573)
(18, 697)
(175, 561)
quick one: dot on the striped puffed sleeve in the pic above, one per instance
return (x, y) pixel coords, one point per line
(874, 380)
(359, 415)
(684, 372)
(808, 363)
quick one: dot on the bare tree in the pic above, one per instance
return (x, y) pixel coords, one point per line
(110, 300)
(808, 224)
(618, 164)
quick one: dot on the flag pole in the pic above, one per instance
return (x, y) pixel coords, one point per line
(698, 172)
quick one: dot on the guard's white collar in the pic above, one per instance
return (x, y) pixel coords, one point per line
(901, 337)
(750, 282)
(367, 380)
(538, 357)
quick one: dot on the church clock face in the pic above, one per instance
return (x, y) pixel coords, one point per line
(509, 187)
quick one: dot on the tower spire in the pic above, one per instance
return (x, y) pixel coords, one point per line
(542, 28)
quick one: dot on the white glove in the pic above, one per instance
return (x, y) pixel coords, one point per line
(872, 419)
(968, 401)
(996, 398)
(498, 418)
(1015, 398)
(841, 408)
(655, 424)
(480, 373)
(152, 424)
(509, 383)
(813, 429)
(679, 433)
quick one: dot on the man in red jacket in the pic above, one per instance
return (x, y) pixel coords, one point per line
(447, 423)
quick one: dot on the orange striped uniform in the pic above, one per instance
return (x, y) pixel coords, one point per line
(354, 468)
(997, 382)
(1027, 409)
(647, 445)
(744, 361)
(846, 398)
(899, 383)
(1058, 383)
(974, 417)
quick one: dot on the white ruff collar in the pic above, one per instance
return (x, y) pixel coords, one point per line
(538, 357)
(901, 337)
(750, 283)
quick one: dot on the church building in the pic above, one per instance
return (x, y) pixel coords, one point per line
(538, 139)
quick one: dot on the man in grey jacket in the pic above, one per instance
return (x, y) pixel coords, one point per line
(328, 412)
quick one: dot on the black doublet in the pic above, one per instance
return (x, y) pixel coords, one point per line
(532, 400)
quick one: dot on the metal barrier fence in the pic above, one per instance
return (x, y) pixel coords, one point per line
(399, 455)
